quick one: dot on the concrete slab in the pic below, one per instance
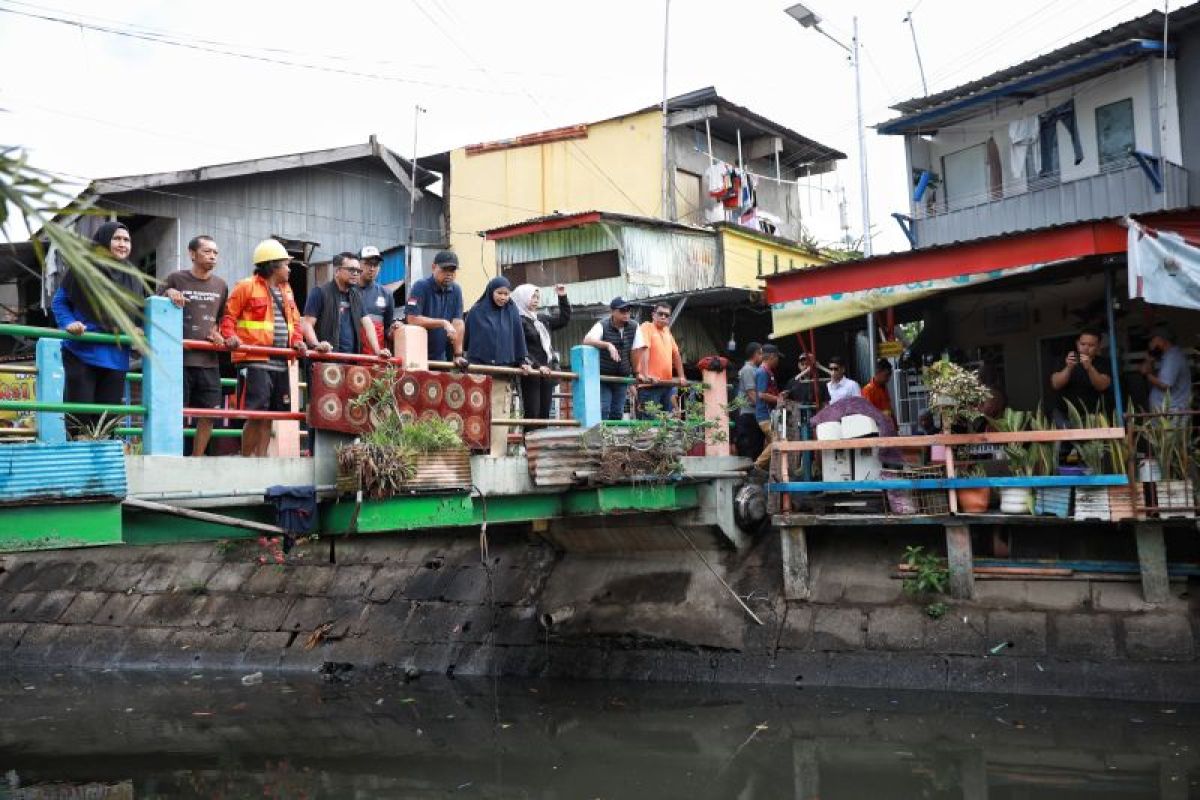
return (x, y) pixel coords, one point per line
(952, 636)
(230, 577)
(1084, 636)
(797, 633)
(839, 629)
(899, 628)
(1025, 629)
(1159, 637)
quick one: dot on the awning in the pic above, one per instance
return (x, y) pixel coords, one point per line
(815, 296)
(814, 312)
(1164, 265)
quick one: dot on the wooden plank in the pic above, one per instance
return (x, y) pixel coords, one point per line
(1043, 481)
(1152, 559)
(960, 560)
(794, 546)
(952, 439)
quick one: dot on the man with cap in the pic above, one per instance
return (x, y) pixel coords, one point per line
(1171, 383)
(435, 304)
(746, 434)
(378, 304)
(766, 392)
(613, 336)
(261, 311)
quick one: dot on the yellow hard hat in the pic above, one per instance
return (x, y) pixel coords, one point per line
(270, 250)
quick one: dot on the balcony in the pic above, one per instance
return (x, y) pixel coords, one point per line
(1114, 193)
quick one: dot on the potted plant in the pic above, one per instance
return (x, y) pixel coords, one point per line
(1021, 459)
(1167, 438)
(954, 391)
(395, 456)
(974, 501)
(1053, 501)
(1091, 502)
(1120, 498)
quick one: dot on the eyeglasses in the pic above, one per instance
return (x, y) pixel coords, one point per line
(662, 313)
(353, 271)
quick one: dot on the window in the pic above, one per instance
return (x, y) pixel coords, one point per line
(572, 269)
(966, 177)
(1114, 134)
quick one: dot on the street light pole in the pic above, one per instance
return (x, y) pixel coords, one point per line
(412, 207)
(808, 19)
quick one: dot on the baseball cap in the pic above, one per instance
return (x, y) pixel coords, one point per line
(770, 350)
(369, 252)
(619, 303)
(446, 260)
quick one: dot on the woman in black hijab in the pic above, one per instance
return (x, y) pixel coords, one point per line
(95, 372)
(494, 332)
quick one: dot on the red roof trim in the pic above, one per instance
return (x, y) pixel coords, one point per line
(530, 139)
(556, 224)
(969, 258)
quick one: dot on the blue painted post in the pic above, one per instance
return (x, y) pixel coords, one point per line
(162, 381)
(48, 388)
(585, 393)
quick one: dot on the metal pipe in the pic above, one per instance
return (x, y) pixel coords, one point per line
(12, 369)
(666, 148)
(71, 408)
(287, 352)
(486, 369)
(222, 413)
(536, 423)
(33, 332)
(218, 494)
(216, 433)
(1112, 346)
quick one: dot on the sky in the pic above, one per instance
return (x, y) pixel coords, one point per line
(106, 96)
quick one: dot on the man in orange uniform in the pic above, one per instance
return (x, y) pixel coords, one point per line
(656, 359)
(262, 311)
(876, 390)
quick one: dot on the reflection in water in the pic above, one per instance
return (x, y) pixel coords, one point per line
(206, 735)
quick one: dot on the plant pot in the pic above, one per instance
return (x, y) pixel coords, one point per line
(1174, 499)
(1092, 503)
(973, 501)
(1016, 500)
(1053, 502)
(1120, 501)
(1148, 471)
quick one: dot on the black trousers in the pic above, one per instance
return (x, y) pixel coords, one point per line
(536, 396)
(748, 436)
(88, 384)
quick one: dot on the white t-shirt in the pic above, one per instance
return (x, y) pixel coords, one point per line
(596, 332)
(846, 387)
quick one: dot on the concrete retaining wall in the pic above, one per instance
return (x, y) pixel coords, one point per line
(428, 604)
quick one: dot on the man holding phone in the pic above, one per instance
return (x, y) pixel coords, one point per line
(1083, 380)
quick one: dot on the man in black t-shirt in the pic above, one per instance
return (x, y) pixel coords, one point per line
(1083, 381)
(201, 295)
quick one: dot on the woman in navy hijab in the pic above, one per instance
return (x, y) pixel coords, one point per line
(495, 335)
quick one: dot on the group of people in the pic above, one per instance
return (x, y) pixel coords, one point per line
(351, 313)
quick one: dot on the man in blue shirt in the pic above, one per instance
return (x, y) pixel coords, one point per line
(766, 392)
(436, 305)
(333, 313)
(377, 304)
(1171, 384)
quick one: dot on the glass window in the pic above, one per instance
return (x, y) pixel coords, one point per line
(1114, 133)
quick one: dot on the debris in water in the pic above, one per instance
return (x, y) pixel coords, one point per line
(202, 713)
(996, 650)
(252, 679)
(379, 702)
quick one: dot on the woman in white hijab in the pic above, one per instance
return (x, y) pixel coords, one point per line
(537, 390)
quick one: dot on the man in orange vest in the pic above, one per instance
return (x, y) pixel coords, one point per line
(657, 362)
(262, 311)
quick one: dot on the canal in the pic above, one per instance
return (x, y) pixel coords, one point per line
(225, 735)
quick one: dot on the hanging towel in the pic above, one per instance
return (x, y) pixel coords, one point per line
(714, 179)
(1064, 113)
(1022, 135)
(295, 511)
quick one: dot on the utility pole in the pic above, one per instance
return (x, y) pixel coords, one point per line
(666, 176)
(412, 207)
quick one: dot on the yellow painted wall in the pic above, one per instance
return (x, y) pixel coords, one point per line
(743, 252)
(616, 168)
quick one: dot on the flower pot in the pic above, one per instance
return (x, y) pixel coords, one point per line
(1148, 471)
(1054, 501)
(1120, 501)
(973, 501)
(1016, 500)
(1174, 499)
(1092, 503)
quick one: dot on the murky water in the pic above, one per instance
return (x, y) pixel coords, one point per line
(208, 735)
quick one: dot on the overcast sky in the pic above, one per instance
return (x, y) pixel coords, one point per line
(93, 103)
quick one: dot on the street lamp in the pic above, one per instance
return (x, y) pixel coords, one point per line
(809, 19)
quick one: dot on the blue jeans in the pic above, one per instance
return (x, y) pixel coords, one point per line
(662, 395)
(612, 400)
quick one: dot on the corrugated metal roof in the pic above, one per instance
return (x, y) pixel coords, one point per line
(61, 471)
(1149, 26)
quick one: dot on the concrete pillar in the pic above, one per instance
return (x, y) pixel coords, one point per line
(961, 561)
(162, 379)
(585, 394)
(716, 398)
(1152, 559)
(411, 343)
(794, 546)
(48, 387)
